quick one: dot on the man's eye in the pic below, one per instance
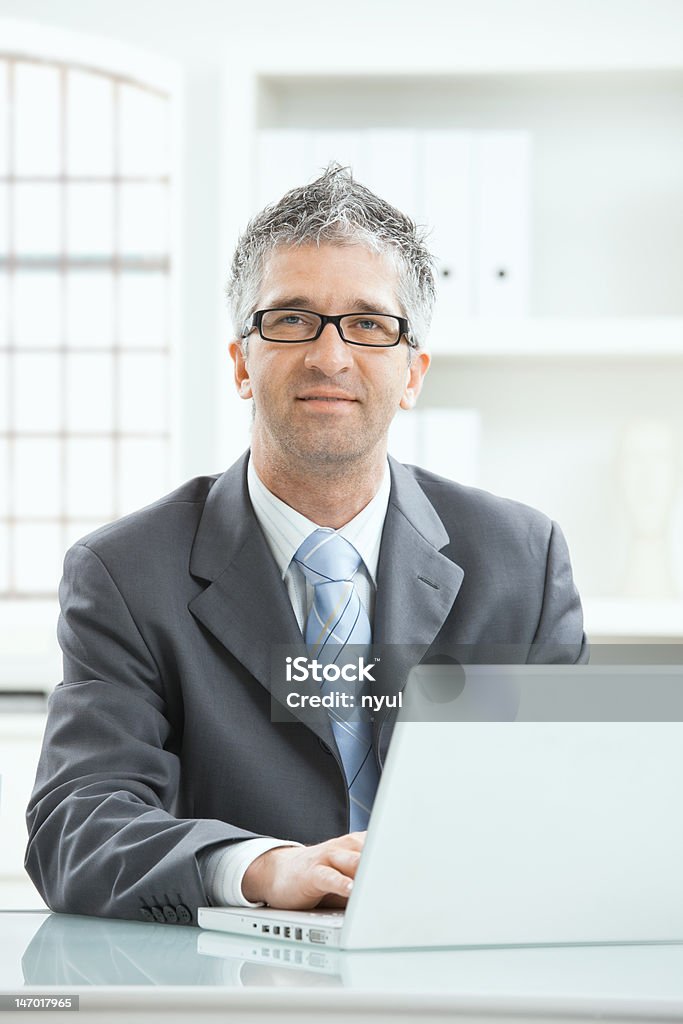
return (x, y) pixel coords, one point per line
(366, 325)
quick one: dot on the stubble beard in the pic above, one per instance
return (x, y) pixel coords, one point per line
(321, 453)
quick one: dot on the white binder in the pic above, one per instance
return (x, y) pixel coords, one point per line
(446, 207)
(501, 163)
(388, 164)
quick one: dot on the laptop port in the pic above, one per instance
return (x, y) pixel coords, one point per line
(276, 929)
(315, 935)
(287, 932)
(265, 929)
(298, 934)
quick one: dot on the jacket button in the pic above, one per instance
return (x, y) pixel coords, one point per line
(184, 915)
(158, 915)
(146, 914)
(170, 914)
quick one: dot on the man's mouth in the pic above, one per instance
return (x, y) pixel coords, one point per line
(326, 398)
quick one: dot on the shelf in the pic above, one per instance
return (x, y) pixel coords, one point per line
(561, 338)
(624, 619)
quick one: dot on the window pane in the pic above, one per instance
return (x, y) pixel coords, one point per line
(4, 392)
(4, 226)
(143, 310)
(89, 385)
(89, 479)
(37, 403)
(89, 119)
(4, 310)
(37, 308)
(4, 479)
(38, 556)
(4, 168)
(90, 223)
(37, 219)
(4, 556)
(89, 309)
(36, 119)
(144, 133)
(144, 219)
(77, 529)
(37, 475)
(143, 393)
(143, 473)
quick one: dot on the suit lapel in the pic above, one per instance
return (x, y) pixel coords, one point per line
(246, 605)
(247, 608)
(416, 588)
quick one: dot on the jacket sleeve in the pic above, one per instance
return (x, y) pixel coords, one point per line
(103, 838)
(559, 637)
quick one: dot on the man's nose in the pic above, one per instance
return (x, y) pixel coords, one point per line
(329, 353)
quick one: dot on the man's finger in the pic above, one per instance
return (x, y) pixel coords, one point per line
(346, 861)
(325, 879)
(356, 840)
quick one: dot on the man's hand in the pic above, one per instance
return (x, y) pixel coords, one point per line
(303, 877)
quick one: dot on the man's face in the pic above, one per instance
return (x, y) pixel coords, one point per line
(325, 401)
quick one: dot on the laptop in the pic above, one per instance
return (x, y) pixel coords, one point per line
(522, 831)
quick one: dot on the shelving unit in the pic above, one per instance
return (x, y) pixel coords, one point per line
(574, 338)
(603, 339)
(619, 620)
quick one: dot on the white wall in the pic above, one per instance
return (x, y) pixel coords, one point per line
(196, 32)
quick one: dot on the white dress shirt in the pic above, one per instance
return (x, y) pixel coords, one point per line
(285, 529)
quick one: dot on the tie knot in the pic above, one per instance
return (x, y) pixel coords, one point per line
(327, 556)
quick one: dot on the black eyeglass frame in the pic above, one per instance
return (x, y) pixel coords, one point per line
(257, 318)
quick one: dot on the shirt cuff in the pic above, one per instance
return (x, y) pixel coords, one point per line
(224, 867)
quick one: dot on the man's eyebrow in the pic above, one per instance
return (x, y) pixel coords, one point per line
(348, 305)
(289, 302)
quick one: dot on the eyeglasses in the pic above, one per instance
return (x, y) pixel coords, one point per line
(373, 330)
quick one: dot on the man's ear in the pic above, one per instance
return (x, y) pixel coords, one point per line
(242, 381)
(415, 375)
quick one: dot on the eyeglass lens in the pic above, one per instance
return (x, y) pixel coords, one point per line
(299, 325)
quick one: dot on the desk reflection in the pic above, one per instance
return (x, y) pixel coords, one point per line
(74, 952)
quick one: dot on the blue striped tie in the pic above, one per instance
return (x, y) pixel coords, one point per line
(337, 618)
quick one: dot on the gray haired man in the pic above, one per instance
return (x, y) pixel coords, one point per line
(165, 782)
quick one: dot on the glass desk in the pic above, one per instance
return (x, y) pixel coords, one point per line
(140, 971)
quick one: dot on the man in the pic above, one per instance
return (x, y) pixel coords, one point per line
(166, 782)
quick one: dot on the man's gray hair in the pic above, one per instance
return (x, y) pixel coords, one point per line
(335, 209)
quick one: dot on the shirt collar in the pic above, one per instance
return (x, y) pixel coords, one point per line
(285, 529)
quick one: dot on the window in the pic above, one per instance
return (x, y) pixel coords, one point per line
(84, 309)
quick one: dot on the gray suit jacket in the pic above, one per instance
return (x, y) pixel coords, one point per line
(160, 741)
